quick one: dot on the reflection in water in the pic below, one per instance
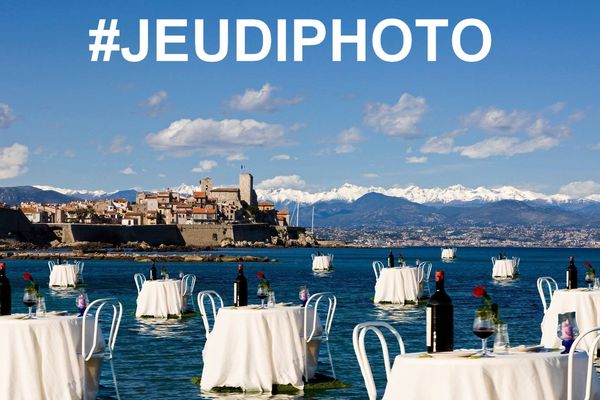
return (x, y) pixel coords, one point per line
(240, 396)
(63, 293)
(397, 312)
(160, 327)
(323, 274)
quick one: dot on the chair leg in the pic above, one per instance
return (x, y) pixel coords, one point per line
(330, 359)
(112, 368)
(84, 388)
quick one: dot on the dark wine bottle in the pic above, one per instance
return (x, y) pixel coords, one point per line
(440, 318)
(5, 292)
(571, 274)
(240, 288)
(153, 272)
(391, 260)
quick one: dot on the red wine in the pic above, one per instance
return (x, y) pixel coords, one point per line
(483, 333)
(152, 272)
(240, 288)
(440, 319)
(571, 274)
(29, 303)
(390, 260)
(5, 292)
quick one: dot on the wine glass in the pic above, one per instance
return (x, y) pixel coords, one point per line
(29, 299)
(81, 302)
(589, 279)
(483, 328)
(303, 295)
(262, 293)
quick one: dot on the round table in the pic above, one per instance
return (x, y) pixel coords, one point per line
(397, 285)
(41, 358)
(160, 299)
(254, 348)
(505, 268)
(585, 303)
(64, 275)
(532, 376)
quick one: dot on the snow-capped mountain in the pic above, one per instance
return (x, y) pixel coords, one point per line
(81, 193)
(455, 193)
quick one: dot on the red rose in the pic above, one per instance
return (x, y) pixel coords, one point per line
(478, 291)
(588, 265)
(27, 276)
(260, 275)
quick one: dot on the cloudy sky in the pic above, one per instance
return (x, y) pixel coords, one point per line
(528, 115)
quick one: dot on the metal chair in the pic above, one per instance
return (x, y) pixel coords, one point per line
(79, 268)
(139, 280)
(549, 284)
(91, 351)
(51, 265)
(188, 282)
(210, 294)
(358, 341)
(310, 334)
(591, 353)
(377, 267)
(423, 274)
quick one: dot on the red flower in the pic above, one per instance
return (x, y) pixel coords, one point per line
(260, 275)
(588, 265)
(478, 291)
(27, 276)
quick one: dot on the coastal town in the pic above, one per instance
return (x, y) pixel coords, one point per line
(207, 205)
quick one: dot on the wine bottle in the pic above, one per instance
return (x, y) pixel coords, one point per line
(571, 274)
(440, 318)
(5, 292)
(391, 260)
(153, 272)
(240, 288)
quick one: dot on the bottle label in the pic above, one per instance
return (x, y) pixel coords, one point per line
(428, 325)
(568, 281)
(235, 296)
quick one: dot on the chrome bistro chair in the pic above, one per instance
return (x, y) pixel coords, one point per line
(188, 282)
(310, 333)
(546, 287)
(139, 281)
(377, 267)
(216, 303)
(358, 342)
(106, 312)
(590, 373)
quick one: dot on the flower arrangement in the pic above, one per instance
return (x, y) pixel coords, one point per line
(32, 286)
(487, 305)
(263, 283)
(589, 269)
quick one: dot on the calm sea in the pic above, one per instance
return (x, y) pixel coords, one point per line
(158, 360)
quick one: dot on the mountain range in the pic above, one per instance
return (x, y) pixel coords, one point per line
(354, 206)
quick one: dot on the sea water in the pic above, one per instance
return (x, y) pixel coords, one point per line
(156, 360)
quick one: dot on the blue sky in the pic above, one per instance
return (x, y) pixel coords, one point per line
(527, 115)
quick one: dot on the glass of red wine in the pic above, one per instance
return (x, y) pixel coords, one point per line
(30, 300)
(262, 293)
(483, 328)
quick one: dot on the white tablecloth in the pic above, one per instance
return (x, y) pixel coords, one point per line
(586, 305)
(397, 285)
(504, 268)
(531, 376)
(255, 348)
(40, 358)
(160, 299)
(64, 275)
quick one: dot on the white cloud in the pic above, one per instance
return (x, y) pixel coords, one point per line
(443, 144)
(119, 145)
(344, 148)
(497, 120)
(156, 103)
(261, 100)
(69, 153)
(506, 146)
(13, 160)
(576, 116)
(398, 120)
(581, 189)
(128, 171)
(223, 137)
(370, 175)
(416, 160)
(557, 107)
(237, 157)
(542, 127)
(162, 175)
(345, 140)
(282, 182)
(204, 166)
(596, 146)
(280, 157)
(7, 116)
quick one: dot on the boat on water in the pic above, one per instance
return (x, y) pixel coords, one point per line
(448, 253)
(322, 262)
(504, 267)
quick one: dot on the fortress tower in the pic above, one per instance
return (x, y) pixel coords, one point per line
(247, 193)
(206, 185)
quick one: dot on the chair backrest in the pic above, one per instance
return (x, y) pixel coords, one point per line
(493, 261)
(424, 271)
(314, 301)
(51, 265)
(188, 282)
(211, 295)
(546, 283)
(377, 267)
(95, 309)
(80, 265)
(516, 261)
(591, 353)
(139, 280)
(358, 341)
